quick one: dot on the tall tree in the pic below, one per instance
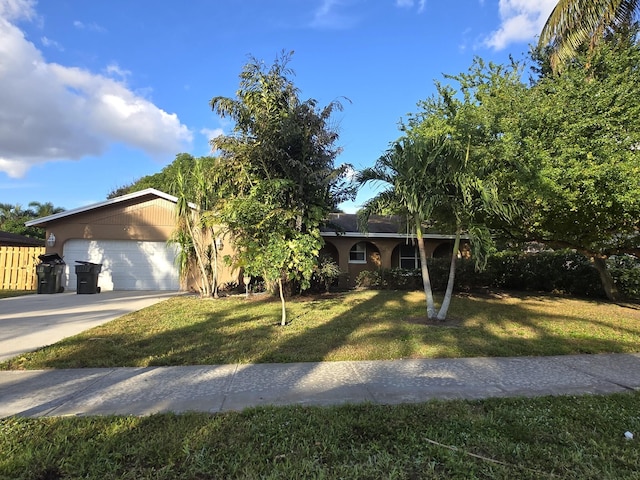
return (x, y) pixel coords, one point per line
(406, 172)
(565, 148)
(581, 139)
(13, 218)
(280, 160)
(577, 23)
(165, 180)
(200, 194)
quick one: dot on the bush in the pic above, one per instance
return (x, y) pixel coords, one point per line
(559, 272)
(326, 275)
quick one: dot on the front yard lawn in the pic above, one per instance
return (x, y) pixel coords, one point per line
(540, 438)
(361, 325)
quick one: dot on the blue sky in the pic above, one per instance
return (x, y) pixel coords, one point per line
(95, 94)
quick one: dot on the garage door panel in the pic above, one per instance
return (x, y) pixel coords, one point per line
(126, 265)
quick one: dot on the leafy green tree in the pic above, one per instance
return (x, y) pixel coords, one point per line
(565, 148)
(279, 162)
(13, 218)
(582, 141)
(577, 23)
(165, 180)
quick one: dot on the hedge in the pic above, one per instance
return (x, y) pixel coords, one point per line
(560, 272)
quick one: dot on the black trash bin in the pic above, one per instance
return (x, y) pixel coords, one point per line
(87, 274)
(49, 272)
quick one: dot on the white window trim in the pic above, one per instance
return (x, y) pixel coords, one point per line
(363, 251)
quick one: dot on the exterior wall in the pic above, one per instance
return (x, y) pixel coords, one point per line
(381, 253)
(151, 219)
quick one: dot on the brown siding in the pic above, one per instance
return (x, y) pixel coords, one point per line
(148, 220)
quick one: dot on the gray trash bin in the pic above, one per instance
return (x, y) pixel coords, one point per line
(49, 272)
(87, 275)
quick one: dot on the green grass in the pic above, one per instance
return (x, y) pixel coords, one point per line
(15, 293)
(363, 325)
(552, 437)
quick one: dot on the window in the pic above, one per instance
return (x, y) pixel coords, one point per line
(358, 253)
(409, 257)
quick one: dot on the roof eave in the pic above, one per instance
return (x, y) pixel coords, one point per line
(41, 222)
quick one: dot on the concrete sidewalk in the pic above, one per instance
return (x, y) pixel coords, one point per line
(219, 388)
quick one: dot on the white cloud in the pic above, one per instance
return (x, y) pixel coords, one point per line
(51, 112)
(88, 26)
(47, 42)
(114, 69)
(520, 21)
(411, 3)
(211, 133)
(13, 10)
(331, 14)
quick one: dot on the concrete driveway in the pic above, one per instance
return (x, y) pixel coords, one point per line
(33, 321)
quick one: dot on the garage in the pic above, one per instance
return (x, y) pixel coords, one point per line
(126, 264)
(129, 235)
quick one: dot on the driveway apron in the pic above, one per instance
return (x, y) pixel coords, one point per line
(33, 321)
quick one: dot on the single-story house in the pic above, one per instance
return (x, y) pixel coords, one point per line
(383, 245)
(8, 239)
(129, 236)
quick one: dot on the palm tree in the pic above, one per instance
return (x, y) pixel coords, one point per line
(44, 209)
(575, 23)
(407, 171)
(467, 196)
(433, 181)
(196, 227)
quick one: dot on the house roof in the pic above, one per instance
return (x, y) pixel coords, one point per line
(15, 240)
(41, 222)
(391, 226)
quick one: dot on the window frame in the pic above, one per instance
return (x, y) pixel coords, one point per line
(358, 248)
(415, 258)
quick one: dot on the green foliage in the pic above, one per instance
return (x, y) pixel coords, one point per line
(564, 272)
(13, 218)
(625, 270)
(279, 164)
(562, 152)
(165, 180)
(325, 275)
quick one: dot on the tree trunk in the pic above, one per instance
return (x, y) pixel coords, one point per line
(426, 281)
(608, 284)
(283, 322)
(215, 264)
(444, 308)
(201, 265)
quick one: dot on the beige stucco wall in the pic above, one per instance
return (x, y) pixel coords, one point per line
(381, 253)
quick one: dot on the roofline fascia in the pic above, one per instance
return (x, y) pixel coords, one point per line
(111, 201)
(434, 236)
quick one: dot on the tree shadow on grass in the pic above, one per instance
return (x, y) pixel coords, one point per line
(348, 326)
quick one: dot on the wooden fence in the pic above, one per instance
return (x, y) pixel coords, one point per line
(18, 267)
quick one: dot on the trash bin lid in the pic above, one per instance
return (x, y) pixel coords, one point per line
(51, 258)
(83, 262)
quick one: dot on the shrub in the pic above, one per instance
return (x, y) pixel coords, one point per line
(326, 275)
(558, 271)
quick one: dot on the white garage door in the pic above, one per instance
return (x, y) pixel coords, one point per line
(126, 264)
